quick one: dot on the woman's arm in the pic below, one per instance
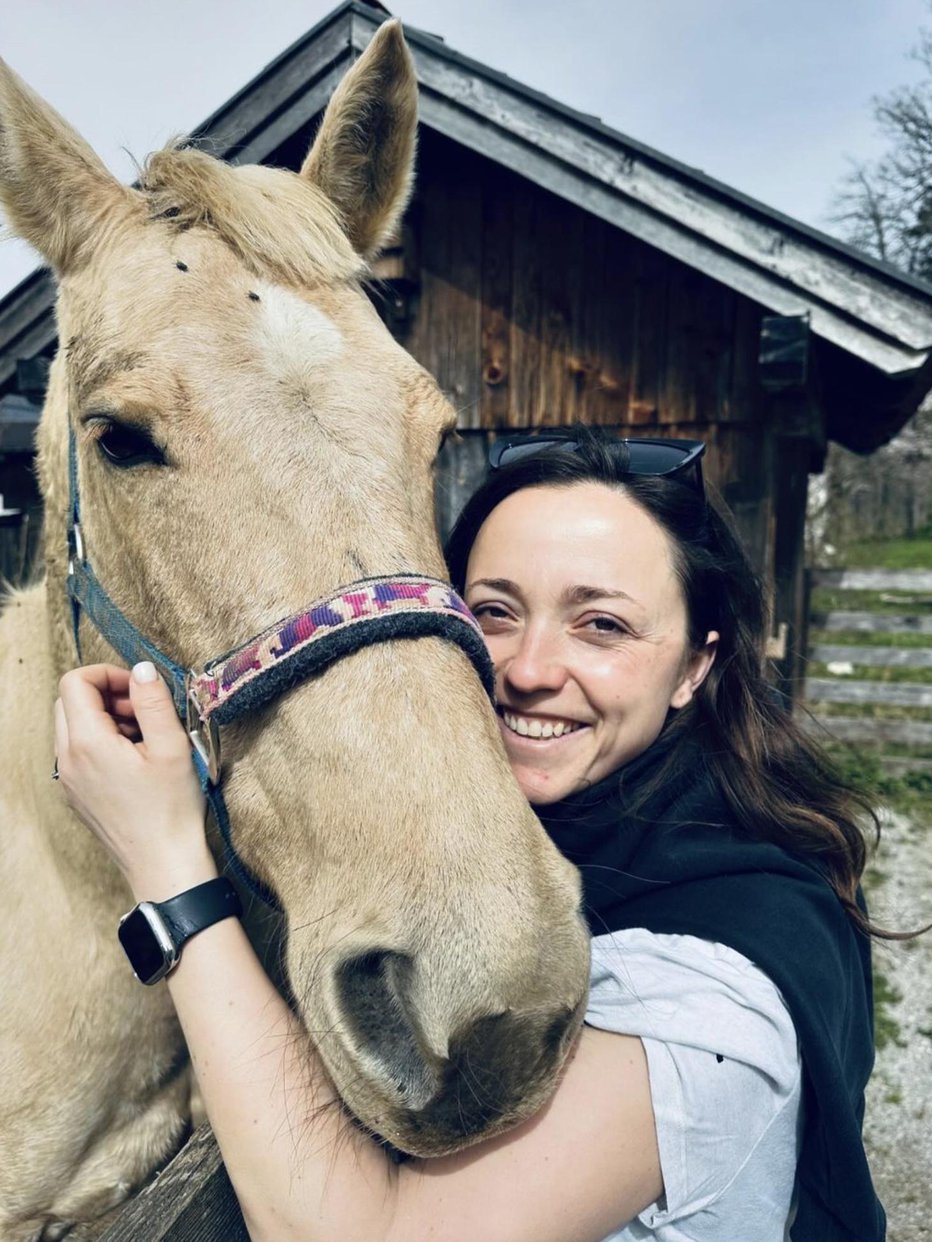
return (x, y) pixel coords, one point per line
(586, 1164)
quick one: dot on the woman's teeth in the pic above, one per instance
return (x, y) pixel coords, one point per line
(528, 726)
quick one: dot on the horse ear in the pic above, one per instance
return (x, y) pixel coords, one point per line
(363, 155)
(55, 191)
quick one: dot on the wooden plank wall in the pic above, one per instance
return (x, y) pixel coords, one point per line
(532, 312)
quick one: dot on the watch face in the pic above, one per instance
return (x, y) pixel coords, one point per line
(146, 943)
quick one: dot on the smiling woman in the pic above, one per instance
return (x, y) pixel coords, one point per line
(588, 632)
(716, 845)
(716, 1091)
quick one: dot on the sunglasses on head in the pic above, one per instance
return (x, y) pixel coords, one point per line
(675, 459)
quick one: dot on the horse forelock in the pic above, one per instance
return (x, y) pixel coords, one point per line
(279, 224)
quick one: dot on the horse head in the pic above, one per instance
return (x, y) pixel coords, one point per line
(248, 438)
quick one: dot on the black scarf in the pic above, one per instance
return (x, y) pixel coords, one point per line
(680, 864)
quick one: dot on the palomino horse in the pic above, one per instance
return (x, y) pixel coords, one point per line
(249, 438)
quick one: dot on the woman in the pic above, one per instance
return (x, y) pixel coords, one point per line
(716, 1092)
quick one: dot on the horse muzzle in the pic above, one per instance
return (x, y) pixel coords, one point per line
(497, 1069)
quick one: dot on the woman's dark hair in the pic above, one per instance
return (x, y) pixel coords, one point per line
(778, 782)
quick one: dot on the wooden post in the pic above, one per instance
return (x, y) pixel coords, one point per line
(190, 1201)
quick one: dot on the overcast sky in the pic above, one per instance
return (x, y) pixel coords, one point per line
(772, 98)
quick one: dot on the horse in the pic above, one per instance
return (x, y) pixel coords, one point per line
(247, 437)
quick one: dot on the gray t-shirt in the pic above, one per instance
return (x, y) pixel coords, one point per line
(725, 1082)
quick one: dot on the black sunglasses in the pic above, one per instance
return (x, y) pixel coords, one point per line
(679, 459)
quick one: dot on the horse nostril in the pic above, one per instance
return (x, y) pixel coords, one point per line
(494, 1064)
(373, 990)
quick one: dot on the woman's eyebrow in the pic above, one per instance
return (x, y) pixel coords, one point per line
(495, 584)
(583, 594)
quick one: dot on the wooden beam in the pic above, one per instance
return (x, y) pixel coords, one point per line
(190, 1201)
(868, 731)
(27, 324)
(897, 694)
(874, 657)
(873, 579)
(871, 622)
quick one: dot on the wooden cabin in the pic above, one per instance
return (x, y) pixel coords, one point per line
(550, 269)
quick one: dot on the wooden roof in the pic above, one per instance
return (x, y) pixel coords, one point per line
(871, 322)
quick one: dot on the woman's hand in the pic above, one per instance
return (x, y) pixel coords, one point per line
(141, 799)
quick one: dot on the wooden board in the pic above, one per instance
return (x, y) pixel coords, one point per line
(531, 311)
(790, 480)
(874, 657)
(870, 732)
(919, 580)
(872, 622)
(897, 694)
(190, 1201)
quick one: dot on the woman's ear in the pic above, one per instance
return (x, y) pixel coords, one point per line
(696, 671)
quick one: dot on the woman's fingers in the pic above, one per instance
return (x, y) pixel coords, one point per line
(101, 701)
(121, 707)
(112, 683)
(85, 694)
(155, 713)
(142, 802)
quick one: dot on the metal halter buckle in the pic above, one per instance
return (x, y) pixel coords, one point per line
(204, 734)
(77, 548)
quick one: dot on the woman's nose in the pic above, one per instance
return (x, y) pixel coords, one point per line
(536, 664)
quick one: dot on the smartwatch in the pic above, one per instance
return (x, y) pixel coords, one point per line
(153, 933)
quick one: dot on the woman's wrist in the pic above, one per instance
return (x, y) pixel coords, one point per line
(159, 878)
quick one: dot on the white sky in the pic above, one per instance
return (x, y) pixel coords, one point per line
(772, 98)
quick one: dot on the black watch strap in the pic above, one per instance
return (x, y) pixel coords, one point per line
(152, 934)
(198, 908)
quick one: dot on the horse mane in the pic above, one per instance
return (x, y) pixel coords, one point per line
(278, 223)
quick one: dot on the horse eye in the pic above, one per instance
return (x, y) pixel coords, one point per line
(446, 436)
(128, 446)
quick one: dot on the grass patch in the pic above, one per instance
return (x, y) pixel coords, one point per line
(872, 880)
(911, 553)
(900, 750)
(886, 1028)
(868, 638)
(829, 599)
(908, 793)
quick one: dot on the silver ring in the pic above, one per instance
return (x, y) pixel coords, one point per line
(55, 772)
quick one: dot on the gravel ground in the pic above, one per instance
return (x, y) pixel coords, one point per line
(898, 1128)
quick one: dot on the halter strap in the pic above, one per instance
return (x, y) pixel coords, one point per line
(246, 678)
(371, 610)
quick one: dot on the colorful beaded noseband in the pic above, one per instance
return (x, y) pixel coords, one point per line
(369, 611)
(248, 677)
(372, 609)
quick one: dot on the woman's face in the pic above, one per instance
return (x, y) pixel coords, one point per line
(586, 624)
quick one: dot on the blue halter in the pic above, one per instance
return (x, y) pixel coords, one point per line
(87, 595)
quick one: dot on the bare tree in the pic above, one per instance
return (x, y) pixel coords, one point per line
(885, 207)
